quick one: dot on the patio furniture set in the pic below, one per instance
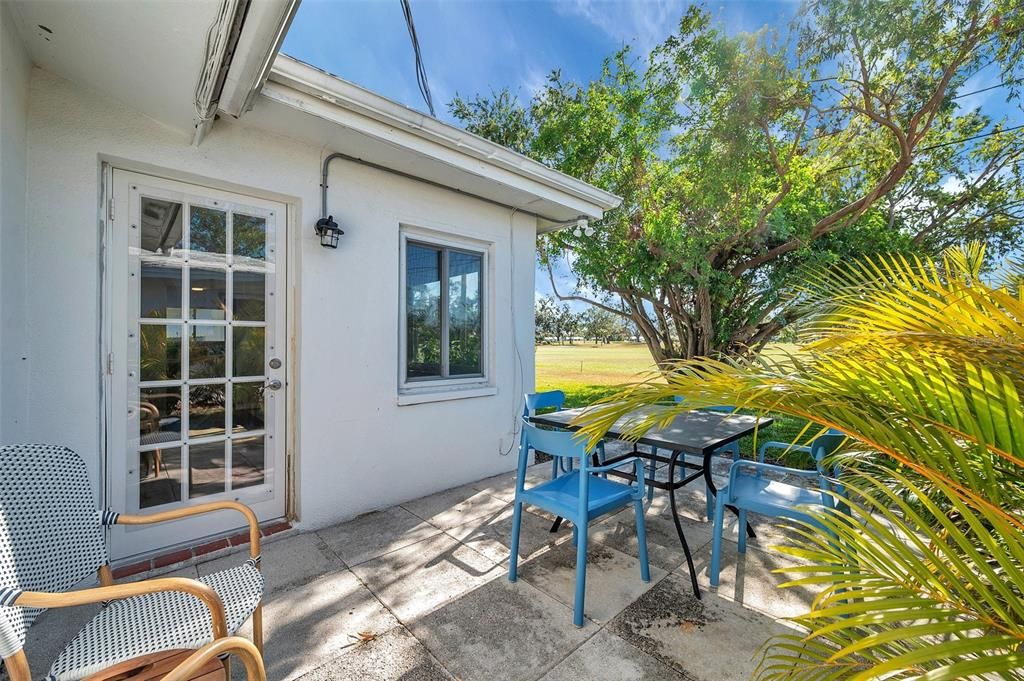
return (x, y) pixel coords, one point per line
(52, 539)
(579, 490)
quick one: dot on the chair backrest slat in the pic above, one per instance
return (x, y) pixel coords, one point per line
(543, 400)
(558, 443)
(51, 534)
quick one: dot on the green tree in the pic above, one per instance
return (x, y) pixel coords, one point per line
(744, 160)
(599, 324)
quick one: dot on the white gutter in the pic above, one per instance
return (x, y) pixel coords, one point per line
(312, 81)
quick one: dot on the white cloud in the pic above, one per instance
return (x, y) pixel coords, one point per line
(644, 23)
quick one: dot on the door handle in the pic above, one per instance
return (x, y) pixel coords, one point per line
(275, 384)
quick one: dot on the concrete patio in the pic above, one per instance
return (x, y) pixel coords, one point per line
(419, 592)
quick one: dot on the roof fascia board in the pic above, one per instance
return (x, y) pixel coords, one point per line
(266, 25)
(347, 97)
(441, 154)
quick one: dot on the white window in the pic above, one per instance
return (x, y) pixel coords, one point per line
(444, 317)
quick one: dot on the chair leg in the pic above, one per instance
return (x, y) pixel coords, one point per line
(652, 470)
(513, 558)
(581, 575)
(641, 539)
(716, 541)
(257, 627)
(742, 529)
(554, 467)
(17, 667)
(709, 500)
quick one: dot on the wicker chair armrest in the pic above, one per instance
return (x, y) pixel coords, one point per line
(100, 594)
(200, 509)
(234, 645)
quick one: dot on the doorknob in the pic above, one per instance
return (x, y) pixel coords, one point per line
(274, 384)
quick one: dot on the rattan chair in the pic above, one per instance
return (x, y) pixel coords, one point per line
(235, 645)
(52, 538)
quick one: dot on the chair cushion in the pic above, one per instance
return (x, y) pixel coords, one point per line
(560, 495)
(151, 623)
(759, 494)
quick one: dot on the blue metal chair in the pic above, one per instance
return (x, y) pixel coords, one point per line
(578, 496)
(554, 399)
(750, 490)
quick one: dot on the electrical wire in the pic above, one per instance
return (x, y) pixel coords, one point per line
(990, 133)
(421, 71)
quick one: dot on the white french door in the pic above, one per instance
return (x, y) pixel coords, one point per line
(195, 387)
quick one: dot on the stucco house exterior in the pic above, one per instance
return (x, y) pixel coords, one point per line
(168, 311)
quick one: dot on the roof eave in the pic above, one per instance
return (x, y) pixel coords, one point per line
(315, 82)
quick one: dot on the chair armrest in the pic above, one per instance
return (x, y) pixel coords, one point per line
(205, 593)
(761, 466)
(199, 509)
(780, 445)
(236, 645)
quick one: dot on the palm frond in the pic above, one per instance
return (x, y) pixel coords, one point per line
(922, 365)
(907, 593)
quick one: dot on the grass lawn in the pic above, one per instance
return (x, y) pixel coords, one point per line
(586, 372)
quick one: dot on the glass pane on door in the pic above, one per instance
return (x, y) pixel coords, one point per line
(206, 277)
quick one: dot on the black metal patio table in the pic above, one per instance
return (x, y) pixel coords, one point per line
(698, 433)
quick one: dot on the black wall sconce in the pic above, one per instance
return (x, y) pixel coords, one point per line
(328, 231)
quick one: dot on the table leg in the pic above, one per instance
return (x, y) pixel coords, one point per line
(679, 526)
(710, 482)
(555, 525)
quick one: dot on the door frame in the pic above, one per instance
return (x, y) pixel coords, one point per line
(107, 320)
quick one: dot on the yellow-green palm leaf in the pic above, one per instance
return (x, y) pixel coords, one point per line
(923, 364)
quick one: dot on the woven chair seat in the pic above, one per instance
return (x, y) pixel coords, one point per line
(151, 623)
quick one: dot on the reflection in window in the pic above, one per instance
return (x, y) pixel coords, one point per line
(208, 293)
(249, 295)
(464, 343)
(207, 230)
(247, 461)
(160, 292)
(206, 351)
(161, 226)
(206, 407)
(247, 411)
(422, 310)
(206, 469)
(248, 347)
(444, 324)
(159, 415)
(159, 477)
(250, 236)
(160, 352)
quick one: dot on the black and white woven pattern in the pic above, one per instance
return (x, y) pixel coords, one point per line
(50, 532)
(147, 624)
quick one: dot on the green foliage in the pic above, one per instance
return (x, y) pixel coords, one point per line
(744, 160)
(921, 364)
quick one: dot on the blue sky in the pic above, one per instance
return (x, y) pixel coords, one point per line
(472, 47)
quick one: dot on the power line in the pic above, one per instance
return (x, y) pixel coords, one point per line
(990, 87)
(939, 145)
(421, 72)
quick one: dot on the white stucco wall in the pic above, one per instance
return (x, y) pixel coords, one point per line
(356, 448)
(15, 68)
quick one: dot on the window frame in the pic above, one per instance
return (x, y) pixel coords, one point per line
(468, 383)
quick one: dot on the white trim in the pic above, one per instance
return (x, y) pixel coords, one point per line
(431, 390)
(477, 154)
(405, 399)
